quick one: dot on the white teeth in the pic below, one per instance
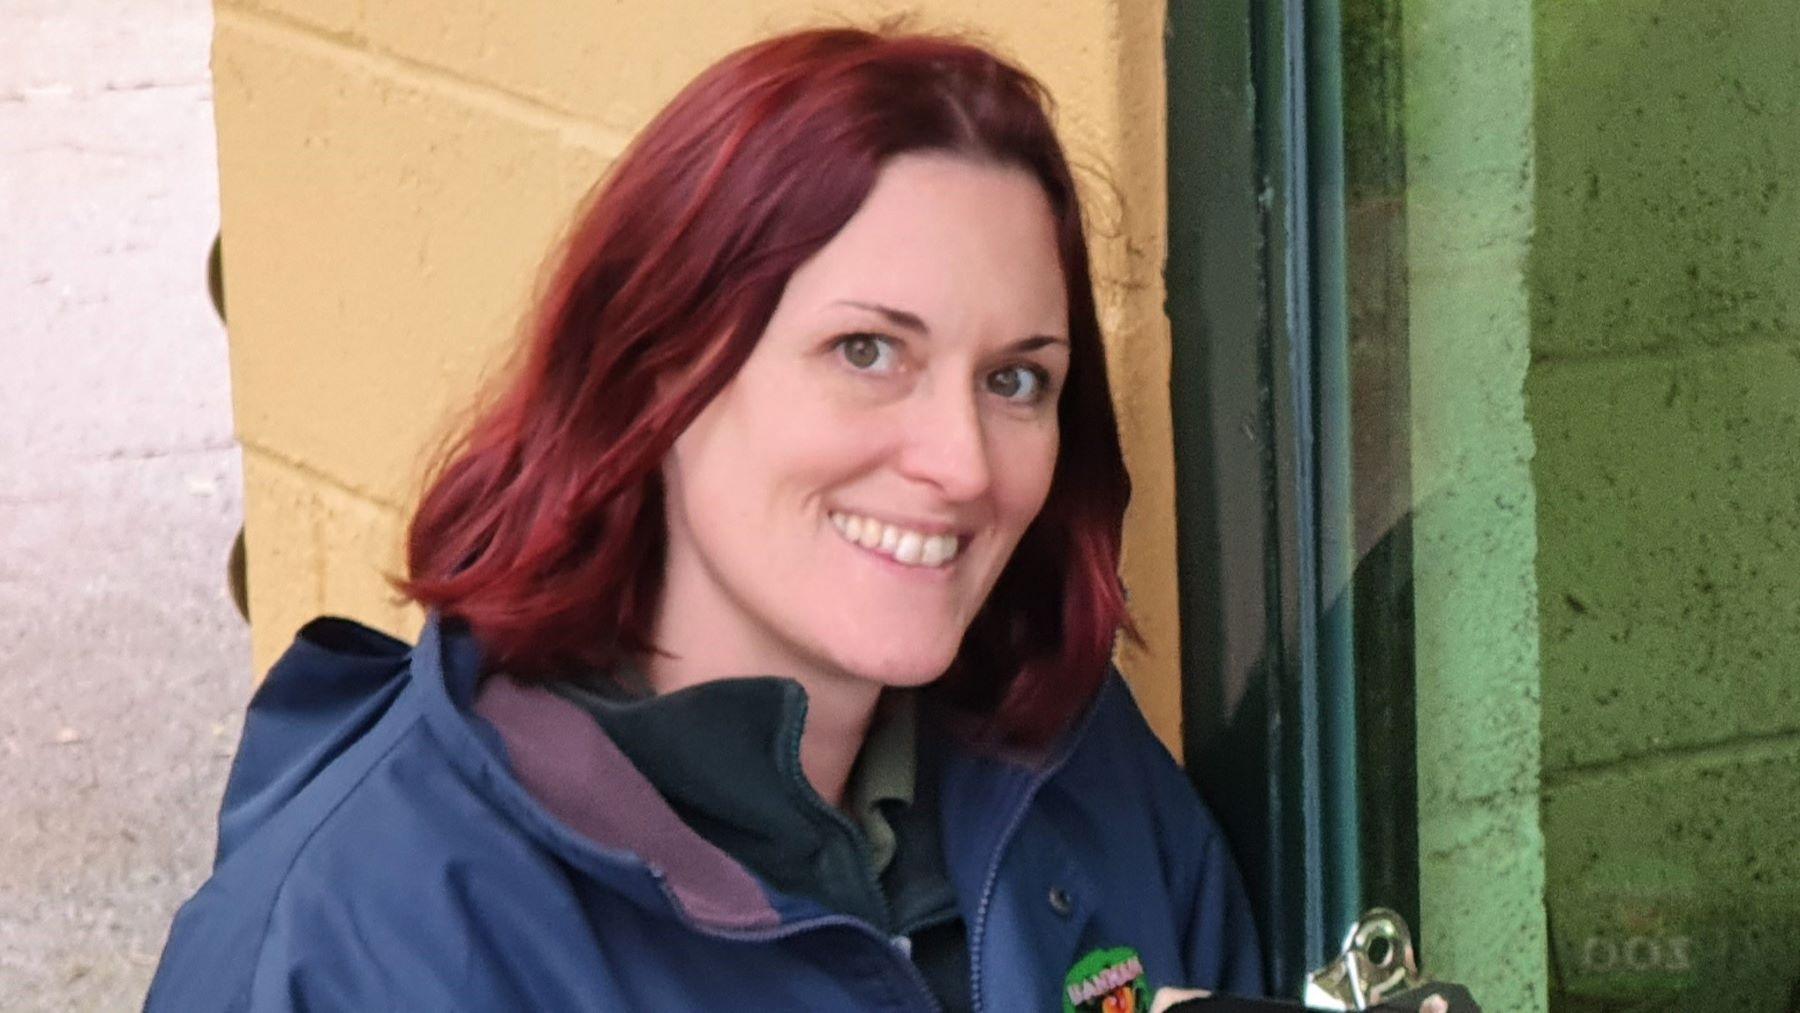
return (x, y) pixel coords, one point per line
(936, 549)
(912, 548)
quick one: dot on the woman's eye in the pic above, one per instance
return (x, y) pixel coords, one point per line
(1023, 384)
(867, 352)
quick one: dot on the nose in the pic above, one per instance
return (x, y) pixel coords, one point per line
(946, 444)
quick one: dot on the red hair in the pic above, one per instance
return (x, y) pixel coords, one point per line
(543, 527)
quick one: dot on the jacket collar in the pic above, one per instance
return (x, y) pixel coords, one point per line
(564, 759)
(545, 766)
(549, 764)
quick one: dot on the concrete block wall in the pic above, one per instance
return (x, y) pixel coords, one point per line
(1665, 394)
(392, 175)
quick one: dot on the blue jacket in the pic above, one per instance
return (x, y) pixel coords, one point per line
(400, 834)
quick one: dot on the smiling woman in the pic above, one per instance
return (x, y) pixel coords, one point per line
(910, 196)
(772, 604)
(902, 435)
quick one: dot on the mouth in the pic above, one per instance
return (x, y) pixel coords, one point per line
(903, 545)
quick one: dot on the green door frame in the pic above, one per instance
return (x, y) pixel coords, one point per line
(1320, 817)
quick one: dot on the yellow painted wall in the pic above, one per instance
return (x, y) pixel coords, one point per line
(393, 173)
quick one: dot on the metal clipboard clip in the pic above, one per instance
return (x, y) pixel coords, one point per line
(1377, 969)
(1376, 972)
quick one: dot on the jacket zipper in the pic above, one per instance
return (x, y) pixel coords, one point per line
(979, 929)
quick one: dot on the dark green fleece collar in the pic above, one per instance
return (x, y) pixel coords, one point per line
(725, 754)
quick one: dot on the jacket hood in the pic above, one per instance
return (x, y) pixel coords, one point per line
(325, 692)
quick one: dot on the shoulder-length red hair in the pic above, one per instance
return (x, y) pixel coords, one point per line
(543, 528)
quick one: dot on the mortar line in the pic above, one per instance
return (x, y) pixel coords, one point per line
(319, 475)
(1659, 760)
(1664, 353)
(343, 47)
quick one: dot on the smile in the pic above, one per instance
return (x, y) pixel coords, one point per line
(902, 545)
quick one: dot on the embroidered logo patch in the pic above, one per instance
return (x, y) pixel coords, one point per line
(1107, 981)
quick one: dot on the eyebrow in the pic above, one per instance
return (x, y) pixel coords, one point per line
(913, 322)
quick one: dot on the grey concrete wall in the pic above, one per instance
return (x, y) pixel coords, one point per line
(123, 664)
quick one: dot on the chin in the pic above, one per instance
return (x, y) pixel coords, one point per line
(904, 667)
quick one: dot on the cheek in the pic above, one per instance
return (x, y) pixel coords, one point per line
(760, 465)
(1022, 474)
(710, 476)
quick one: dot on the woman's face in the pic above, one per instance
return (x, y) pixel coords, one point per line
(846, 503)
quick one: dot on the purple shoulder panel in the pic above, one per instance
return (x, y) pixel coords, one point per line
(572, 769)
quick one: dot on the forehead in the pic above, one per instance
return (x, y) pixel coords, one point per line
(955, 240)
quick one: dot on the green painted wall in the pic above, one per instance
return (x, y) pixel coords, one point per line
(1664, 392)
(1468, 139)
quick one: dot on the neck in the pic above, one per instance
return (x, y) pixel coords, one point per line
(838, 711)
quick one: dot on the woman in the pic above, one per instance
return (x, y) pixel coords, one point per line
(771, 605)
